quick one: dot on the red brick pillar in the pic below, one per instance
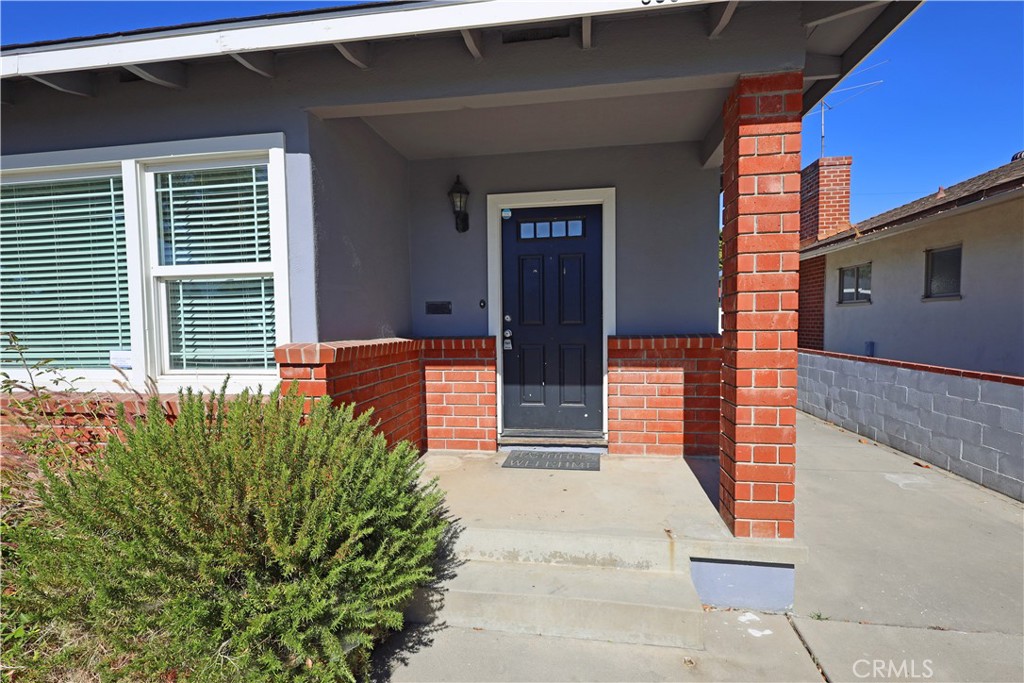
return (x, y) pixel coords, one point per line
(761, 180)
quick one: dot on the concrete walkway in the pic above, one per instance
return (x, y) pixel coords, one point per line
(913, 574)
(907, 564)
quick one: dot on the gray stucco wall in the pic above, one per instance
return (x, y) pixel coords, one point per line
(360, 195)
(646, 54)
(222, 100)
(972, 427)
(667, 219)
(983, 331)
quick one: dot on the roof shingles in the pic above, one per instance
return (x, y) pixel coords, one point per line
(1007, 177)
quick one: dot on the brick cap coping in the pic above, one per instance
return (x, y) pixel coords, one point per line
(834, 161)
(317, 353)
(322, 353)
(665, 341)
(937, 369)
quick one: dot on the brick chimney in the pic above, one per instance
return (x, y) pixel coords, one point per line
(825, 198)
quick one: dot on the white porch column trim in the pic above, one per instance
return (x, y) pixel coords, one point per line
(605, 196)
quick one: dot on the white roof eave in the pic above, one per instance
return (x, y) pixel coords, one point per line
(225, 39)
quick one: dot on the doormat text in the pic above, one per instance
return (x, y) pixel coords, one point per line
(554, 460)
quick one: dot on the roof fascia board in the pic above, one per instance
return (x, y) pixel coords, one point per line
(812, 252)
(321, 31)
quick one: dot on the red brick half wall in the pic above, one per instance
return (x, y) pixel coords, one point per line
(383, 374)
(461, 393)
(436, 393)
(664, 395)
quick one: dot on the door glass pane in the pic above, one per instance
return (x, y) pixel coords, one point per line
(526, 231)
(543, 229)
(558, 229)
(576, 228)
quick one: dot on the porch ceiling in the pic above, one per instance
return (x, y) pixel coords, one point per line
(601, 122)
(573, 74)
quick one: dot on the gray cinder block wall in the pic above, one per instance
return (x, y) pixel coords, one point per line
(970, 426)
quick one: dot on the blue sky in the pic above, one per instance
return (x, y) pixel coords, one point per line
(950, 105)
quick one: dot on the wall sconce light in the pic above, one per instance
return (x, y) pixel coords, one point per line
(459, 196)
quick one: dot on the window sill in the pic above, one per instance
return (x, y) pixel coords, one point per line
(944, 297)
(211, 383)
(862, 302)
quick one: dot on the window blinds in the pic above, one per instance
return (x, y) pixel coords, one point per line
(217, 216)
(224, 323)
(63, 270)
(214, 216)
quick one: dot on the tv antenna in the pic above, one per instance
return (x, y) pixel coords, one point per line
(822, 109)
(825, 106)
(863, 88)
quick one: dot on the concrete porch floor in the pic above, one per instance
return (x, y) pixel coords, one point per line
(907, 566)
(657, 506)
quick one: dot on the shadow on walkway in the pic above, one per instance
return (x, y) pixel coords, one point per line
(394, 652)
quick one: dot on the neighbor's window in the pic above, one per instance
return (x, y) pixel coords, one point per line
(855, 284)
(942, 272)
(64, 270)
(214, 269)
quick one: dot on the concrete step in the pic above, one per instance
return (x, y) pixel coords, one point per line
(591, 603)
(572, 549)
(669, 552)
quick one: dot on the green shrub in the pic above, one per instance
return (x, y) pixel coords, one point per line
(242, 542)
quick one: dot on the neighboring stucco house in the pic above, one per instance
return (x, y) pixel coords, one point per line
(274, 197)
(938, 281)
(912, 322)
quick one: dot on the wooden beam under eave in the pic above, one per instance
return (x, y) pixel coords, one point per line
(474, 43)
(587, 33)
(817, 13)
(79, 83)
(710, 151)
(164, 74)
(355, 52)
(818, 67)
(261, 63)
(719, 16)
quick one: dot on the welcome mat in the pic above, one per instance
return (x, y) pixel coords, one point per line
(553, 460)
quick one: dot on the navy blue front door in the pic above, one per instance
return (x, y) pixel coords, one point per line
(552, 321)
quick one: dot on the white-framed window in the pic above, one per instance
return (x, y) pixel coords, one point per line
(169, 268)
(855, 284)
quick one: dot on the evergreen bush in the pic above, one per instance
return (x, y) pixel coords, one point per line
(242, 541)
